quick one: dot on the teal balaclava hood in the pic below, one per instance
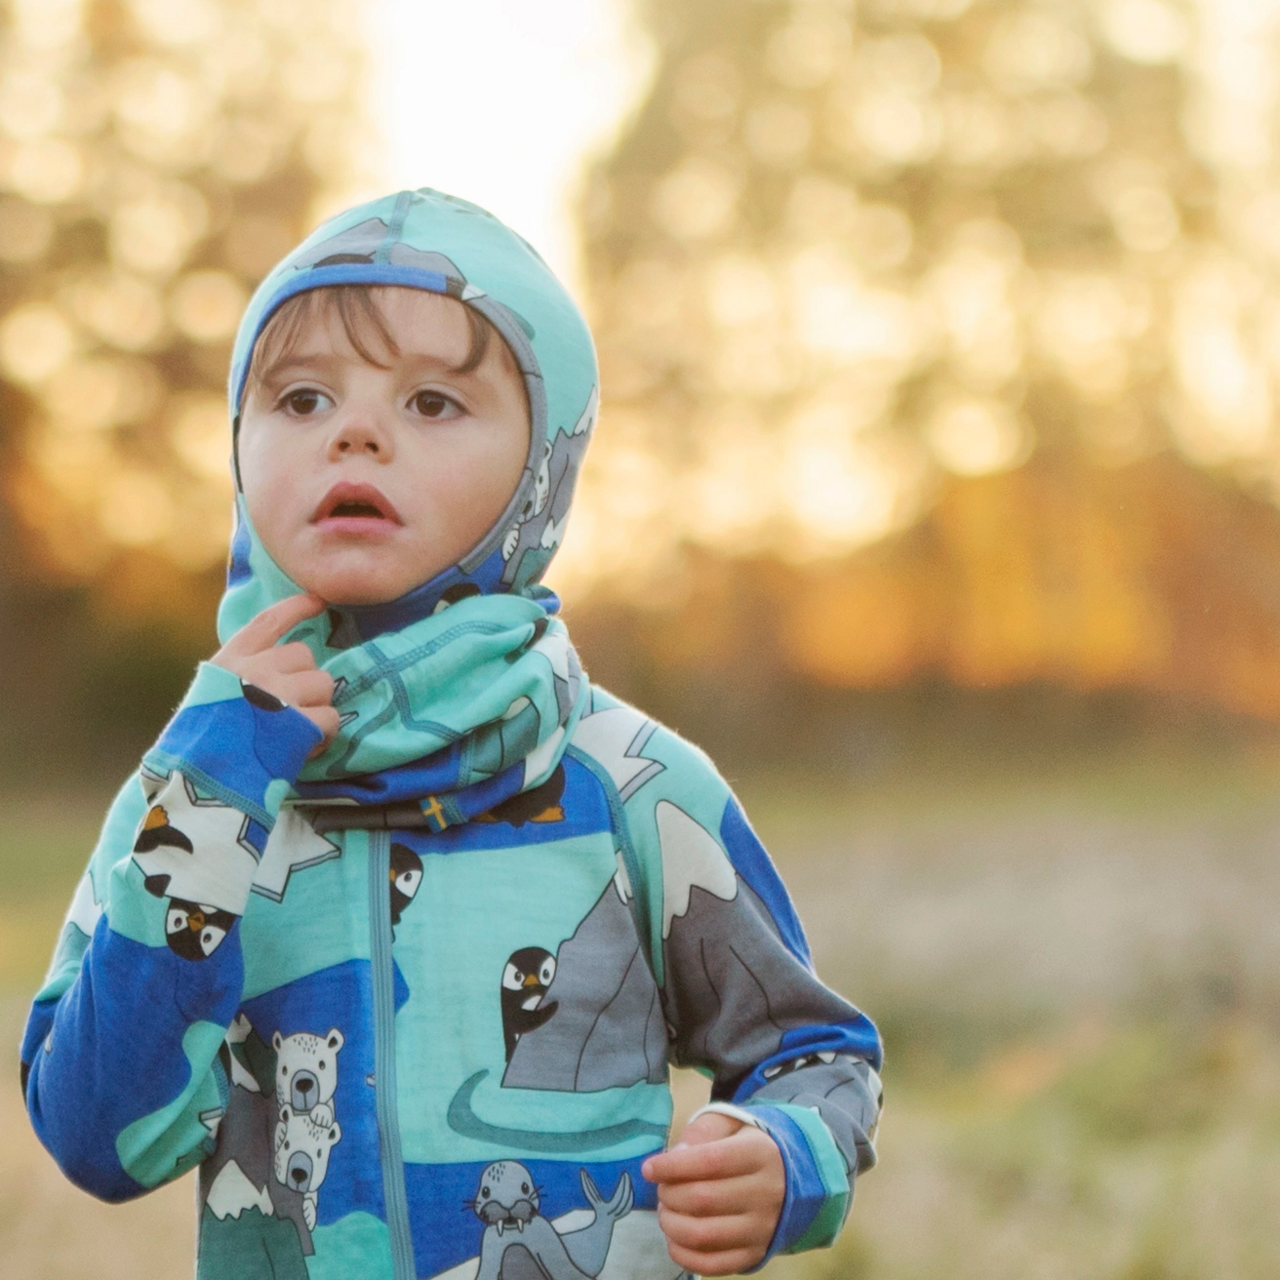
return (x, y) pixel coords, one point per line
(464, 690)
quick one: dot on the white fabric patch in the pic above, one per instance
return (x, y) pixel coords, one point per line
(588, 418)
(85, 909)
(292, 845)
(622, 881)
(691, 856)
(232, 1193)
(615, 737)
(218, 867)
(538, 761)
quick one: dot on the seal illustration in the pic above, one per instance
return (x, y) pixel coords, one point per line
(520, 1244)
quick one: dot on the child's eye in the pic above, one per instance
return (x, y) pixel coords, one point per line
(305, 401)
(435, 404)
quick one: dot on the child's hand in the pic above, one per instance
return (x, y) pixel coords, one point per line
(287, 671)
(720, 1194)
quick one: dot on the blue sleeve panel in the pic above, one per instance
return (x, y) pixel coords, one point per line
(118, 1048)
(819, 1190)
(236, 741)
(119, 1058)
(752, 862)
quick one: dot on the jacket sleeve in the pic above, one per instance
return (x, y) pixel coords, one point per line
(120, 1066)
(740, 996)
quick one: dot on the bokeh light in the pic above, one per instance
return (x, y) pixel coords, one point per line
(1029, 244)
(155, 158)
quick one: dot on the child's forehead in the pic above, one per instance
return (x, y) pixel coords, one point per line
(420, 322)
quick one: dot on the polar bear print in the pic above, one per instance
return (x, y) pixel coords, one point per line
(307, 1073)
(302, 1157)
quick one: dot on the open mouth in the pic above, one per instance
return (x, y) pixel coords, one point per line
(355, 502)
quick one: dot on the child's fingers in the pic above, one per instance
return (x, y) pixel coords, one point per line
(325, 719)
(260, 633)
(729, 1158)
(728, 1263)
(309, 689)
(709, 1235)
(708, 1199)
(291, 657)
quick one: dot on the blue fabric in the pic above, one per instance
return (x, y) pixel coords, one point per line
(752, 862)
(339, 996)
(585, 812)
(858, 1037)
(437, 1191)
(806, 1193)
(212, 737)
(98, 1076)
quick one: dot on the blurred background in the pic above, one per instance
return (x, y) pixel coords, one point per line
(935, 493)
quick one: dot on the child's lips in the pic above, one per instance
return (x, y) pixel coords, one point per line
(356, 509)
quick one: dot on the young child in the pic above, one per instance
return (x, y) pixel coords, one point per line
(401, 921)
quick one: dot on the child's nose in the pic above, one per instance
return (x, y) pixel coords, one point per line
(361, 433)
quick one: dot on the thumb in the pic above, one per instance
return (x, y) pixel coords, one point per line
(712, 1126)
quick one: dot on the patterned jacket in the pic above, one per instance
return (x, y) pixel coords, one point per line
(429, 1054)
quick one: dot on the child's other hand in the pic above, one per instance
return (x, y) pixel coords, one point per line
(287, 671)
(720, 1194)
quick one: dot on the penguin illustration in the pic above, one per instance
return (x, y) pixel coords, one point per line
(156, 833)
(542, 804)
(406, 876)
(525, 980)
(193, 931)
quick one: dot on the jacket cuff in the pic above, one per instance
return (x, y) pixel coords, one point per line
(237, 742)
(819, 1185)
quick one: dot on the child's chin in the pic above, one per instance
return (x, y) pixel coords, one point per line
(363, 586)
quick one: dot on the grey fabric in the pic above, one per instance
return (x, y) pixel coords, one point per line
(739, 988)
(607, 1031)
(845, 1093)
(736, 990)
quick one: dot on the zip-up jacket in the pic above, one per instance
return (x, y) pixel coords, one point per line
(422, 1053)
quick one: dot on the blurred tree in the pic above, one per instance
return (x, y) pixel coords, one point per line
(156, 158)
(976, 263)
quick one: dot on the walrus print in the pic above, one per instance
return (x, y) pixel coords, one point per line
(520, 1244)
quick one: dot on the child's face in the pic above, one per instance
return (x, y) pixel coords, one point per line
(365, 482)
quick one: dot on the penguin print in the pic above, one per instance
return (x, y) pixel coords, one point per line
(525, 980)
(157, 832)
(193, 931)
(406, 876)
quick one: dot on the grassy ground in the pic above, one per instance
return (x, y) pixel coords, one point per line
(1077, 970)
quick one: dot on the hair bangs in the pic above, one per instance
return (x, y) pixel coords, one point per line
(364, 326)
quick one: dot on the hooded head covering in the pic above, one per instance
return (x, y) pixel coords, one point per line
(462, 691)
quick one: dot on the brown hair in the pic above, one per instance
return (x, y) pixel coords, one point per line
(362, 322)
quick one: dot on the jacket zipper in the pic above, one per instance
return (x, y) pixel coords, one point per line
(384, 1056)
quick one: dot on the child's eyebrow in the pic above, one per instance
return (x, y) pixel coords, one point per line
(322, 360)
(300, 363)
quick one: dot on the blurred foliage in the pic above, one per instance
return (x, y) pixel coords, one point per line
(156, 158)
(987, 285)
